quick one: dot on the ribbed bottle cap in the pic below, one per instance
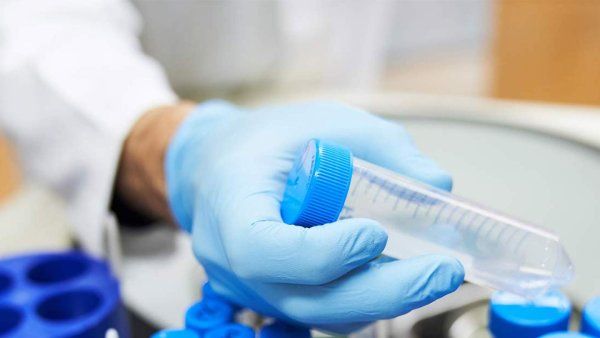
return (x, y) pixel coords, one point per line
(515, 316)
(317, 185)
(590, 319)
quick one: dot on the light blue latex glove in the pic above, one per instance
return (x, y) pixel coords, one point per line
(226, 170)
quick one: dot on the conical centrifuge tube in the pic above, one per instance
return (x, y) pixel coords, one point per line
(327, 183)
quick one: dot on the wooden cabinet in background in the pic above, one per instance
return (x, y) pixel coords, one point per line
(9, 173)
(547, 50)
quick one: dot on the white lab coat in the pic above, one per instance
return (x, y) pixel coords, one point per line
(73, 79)
(74, 76)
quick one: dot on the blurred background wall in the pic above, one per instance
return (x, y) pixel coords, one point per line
(440, 47)
(543, 50)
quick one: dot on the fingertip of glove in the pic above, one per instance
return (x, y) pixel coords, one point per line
(380, 238)
(448, 272)
(442, 180)
(455, 270)
(373, 233)
(437, 177)
(363, 240)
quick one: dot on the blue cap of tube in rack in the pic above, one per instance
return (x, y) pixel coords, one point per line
(214, 317)
(590, 318)
(515, 316)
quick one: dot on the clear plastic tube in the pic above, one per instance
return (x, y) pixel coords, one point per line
(496, 250)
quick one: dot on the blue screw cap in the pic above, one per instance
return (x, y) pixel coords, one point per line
(515, 316)
(175, 334)
(280, 329)
(231, 331)
(590, 319)
(317, 185)
(208, 314)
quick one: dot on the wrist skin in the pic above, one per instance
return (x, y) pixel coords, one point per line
(140, 178)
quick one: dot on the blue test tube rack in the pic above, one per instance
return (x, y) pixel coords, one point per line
(66, 295)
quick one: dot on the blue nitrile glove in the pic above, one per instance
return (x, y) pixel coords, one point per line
(226, 171)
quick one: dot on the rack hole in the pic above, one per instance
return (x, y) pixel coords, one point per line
(69, 305)
(10, 318)
(58, 269)
(6, 282)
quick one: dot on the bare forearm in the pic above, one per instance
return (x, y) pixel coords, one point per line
(141, 178)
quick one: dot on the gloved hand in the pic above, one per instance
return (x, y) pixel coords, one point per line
(226, 170)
